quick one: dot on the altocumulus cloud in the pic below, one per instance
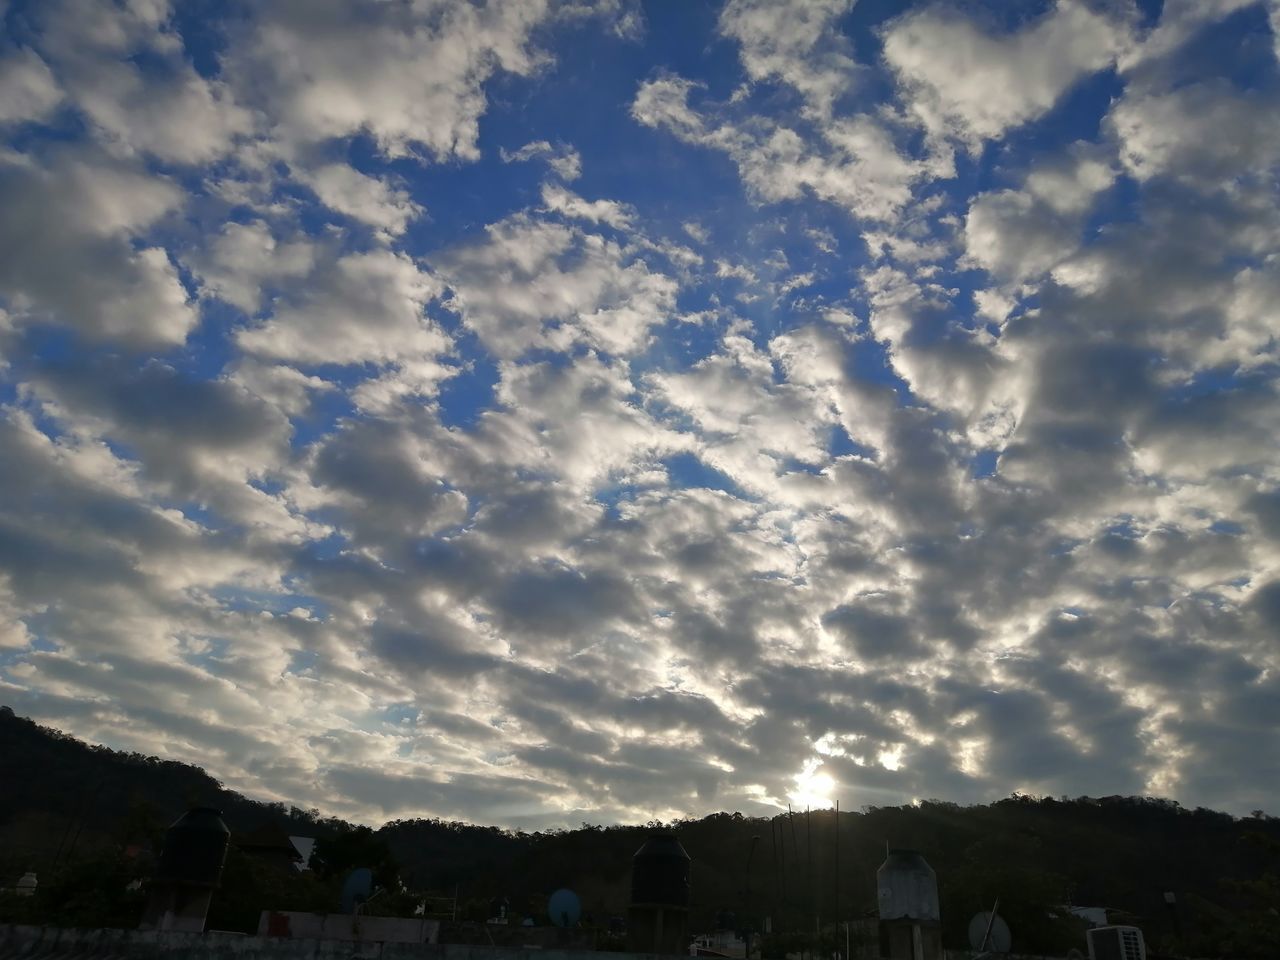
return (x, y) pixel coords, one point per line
(546, 411)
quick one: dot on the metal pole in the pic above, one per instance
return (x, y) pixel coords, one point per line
(808, 849)
(986, 937)
(777, 885)
(750, 853)
(795, 846)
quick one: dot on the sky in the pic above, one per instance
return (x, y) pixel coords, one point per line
(531, 412)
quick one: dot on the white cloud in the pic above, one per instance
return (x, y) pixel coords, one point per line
(609, 212)
(664, 102)
(580, 422)
(1180, 20)
(189, 121)
(407, 379)
(375, 475)
(963, 81)
(855, 165)
(1071, 185)
(13, 629)
(738, 271)
(1011, 235)
(282, 386)
(244, 258)
(535, 283)
(696, 231)
(1204, 134)
(435, 495)
(362, 308)
(28, 90)
(370, 200)
(167, 109)
(860, 168)
(946, 361)
(794, 42)
(751, 427)
(75, 228)
(412, 77)
(563, 160)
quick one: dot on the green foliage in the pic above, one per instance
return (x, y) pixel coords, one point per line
(250, 885)
(338, 854)
(103, 798)
(389, 902)
(1008, 867)
(88, 892)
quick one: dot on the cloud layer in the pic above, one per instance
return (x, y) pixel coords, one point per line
(499, 411)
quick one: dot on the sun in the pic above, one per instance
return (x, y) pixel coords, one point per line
(814, 788)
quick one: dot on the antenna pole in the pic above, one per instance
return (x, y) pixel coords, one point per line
(773, 841)
(795, 846)
(837, 892)
(750, 919)
(808, 849)
(986, 937)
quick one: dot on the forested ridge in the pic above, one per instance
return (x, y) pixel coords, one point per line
(74, 812)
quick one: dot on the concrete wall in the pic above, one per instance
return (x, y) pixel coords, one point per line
(345, 926)
(21, 941)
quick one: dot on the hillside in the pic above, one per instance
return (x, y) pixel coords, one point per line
(66, 803)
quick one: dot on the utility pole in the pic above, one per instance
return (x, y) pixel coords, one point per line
(808, 844)
(777, 881)
(750, 912)
(837, 903)
(795, 855)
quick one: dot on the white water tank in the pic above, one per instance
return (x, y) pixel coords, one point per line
(907, 887)
(26, 885)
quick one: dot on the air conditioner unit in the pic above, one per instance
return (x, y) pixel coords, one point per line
(1116, 943)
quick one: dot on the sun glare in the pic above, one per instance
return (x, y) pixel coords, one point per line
(813, 787)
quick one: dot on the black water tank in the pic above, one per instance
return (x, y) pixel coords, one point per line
(660, 872)
(195, 848)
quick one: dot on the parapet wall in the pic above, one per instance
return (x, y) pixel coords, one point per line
(38, 943)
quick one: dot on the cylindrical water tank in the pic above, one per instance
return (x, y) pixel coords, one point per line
(907, 887)
(660, 872)
(195, 848)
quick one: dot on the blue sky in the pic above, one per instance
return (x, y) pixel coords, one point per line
(538, 411)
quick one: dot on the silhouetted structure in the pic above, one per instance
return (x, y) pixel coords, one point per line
(269, 844)
(1116, 943)
(910, 919)
(1031, 852)
(658, 919)
(195, 849)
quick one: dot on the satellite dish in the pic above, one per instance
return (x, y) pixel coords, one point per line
(999, 941)
(356, 888)
(565, 908)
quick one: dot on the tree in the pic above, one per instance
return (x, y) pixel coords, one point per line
(337, 855)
